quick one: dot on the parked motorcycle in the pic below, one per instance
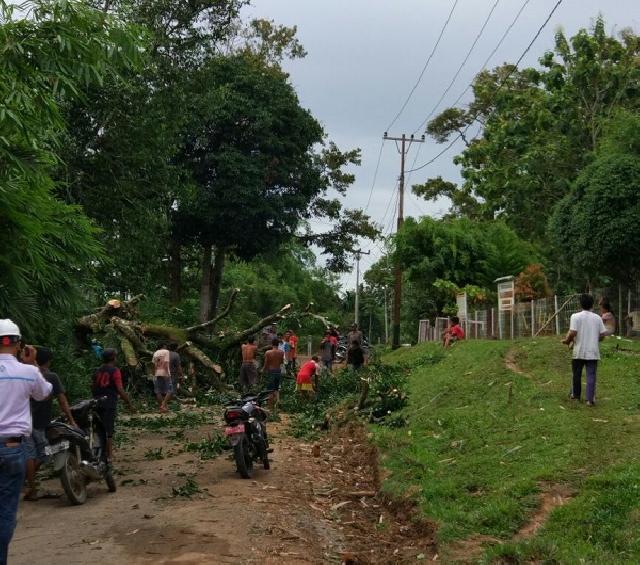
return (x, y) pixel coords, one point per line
(79, 454)
(247, 432)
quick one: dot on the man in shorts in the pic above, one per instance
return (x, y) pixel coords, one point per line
(41, 414)
(272, 368)
(248, 369)
(162, 385)
(175, 367)
(107, 382)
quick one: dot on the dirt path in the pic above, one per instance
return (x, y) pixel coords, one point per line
(306, 509)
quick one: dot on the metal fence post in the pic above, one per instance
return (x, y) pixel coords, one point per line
(533, 318)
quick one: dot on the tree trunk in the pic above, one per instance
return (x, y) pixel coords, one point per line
(175, 271)
(216, 282)
(205, 285)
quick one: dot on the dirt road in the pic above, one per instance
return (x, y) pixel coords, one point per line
(306, 509)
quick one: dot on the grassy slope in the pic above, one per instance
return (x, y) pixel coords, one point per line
(480, 458)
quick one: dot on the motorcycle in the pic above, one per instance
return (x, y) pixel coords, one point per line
(247, 432)
(80, 454)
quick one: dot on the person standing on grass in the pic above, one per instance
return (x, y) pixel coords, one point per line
(327, 352)
(162, 377)
(293, 340)
(272, 368)
(586, 331)
(607, 316)
(248, 369)
(19, 382)
(355, 356)
(41, 413)
(107, 384)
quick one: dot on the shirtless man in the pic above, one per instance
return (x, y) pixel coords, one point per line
(248, 369)
(272, 367)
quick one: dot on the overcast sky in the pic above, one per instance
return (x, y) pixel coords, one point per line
(364, 56)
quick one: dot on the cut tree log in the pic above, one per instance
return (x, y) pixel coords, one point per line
(192, 351)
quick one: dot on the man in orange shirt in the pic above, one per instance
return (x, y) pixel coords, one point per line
(293, 354)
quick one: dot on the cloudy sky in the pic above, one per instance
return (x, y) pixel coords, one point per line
(364, 57)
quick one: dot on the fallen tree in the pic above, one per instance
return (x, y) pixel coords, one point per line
(118, 323)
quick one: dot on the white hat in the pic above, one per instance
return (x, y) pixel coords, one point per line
(8, 328)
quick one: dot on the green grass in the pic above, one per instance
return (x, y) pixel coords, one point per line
(481, 440)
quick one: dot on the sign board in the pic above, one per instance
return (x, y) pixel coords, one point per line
(461, 301)
(506, 295)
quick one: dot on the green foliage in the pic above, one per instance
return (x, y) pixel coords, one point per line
(63, 48)
(209, 447)
(187, 490)
(154, 454)
(180, 420)
(597, 227)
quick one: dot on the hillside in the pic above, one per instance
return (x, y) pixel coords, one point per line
(507, 465)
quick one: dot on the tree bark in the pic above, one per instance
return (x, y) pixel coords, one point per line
(216, 281)
(205, 285)
(175, 271)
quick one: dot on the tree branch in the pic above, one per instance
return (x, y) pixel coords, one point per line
(219, 317)
(239, 337)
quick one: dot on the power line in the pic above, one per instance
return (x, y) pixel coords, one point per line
(424, 68)
(464, 62)
(498, 89)
(375, 176)
(495, 49)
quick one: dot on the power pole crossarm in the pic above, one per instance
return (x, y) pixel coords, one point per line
(397, 298)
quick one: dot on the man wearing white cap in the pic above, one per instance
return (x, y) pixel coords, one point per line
(19, 382)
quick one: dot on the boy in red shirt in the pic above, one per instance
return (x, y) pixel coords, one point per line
(306, 377)
(454, 333)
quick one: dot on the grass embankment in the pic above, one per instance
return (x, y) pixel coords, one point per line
(483, 442)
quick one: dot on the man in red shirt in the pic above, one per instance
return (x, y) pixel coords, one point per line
(293, 354)
(454, 333)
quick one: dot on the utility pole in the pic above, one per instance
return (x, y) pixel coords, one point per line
(397, 298)
(358, 254)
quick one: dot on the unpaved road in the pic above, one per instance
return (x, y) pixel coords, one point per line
(306, 509)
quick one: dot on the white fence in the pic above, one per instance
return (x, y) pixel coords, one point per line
(545, 316)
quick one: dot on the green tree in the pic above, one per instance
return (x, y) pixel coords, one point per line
(539, 128)
(50, 248)
(596, 228)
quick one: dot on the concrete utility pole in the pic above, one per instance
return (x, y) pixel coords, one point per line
(397, 298)
(358, 253)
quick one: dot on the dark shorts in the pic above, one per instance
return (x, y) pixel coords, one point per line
(248, 374)
(34, 445)
(108, 416)
(162, 385)
(274, 378)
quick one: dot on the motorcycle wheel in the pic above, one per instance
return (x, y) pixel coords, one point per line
(73, 480)
(111, 482)
(264, 456)
(244, 464)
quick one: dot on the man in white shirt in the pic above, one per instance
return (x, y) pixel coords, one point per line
(162, 376)
(586, 331)
(19, 382)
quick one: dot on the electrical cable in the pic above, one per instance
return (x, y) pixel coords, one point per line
(424, 68)
(495, 49)
(375, 176)
(498, 89)
(464, 62)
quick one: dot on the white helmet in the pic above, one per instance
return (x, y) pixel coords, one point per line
(8, 328)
